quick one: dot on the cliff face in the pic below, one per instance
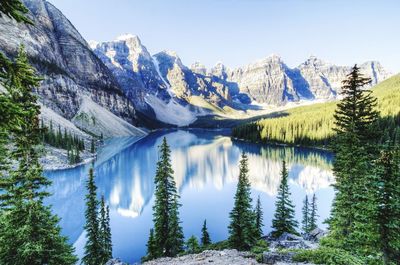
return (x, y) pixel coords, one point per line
(122, 77)
(70, 69)
(162, 83)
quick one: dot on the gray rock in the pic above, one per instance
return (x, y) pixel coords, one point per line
(275, 257)
(290, 241)
(287, 237)
(316, 234)
(224, 257)
(115, 262)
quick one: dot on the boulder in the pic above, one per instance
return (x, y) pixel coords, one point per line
(316, 234)
(274, 257)
(115, 262)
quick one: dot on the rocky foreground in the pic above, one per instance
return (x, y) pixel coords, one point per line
(222, 257)
(233, 257)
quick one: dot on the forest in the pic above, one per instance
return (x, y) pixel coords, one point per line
(313, 125)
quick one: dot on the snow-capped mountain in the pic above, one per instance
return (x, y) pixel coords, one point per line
(161, 86)
(75, 79)
(138, 87)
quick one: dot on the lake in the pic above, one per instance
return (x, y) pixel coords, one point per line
(206, 170)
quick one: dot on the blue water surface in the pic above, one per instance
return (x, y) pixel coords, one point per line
(206, 170)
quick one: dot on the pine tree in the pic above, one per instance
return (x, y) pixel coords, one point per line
(29, 233)
(151, 247)
(387, 217)
(205, 236)
(284, 220)
(167, 230)
(355, 148)
(242, 234)
(93, 244)
(92, 147)
(259, 218)
(14, 9)
(105, 232)
(313, 214)
(305, 212)
(192, 245)
(176, 238)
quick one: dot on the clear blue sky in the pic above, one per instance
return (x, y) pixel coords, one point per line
(238, 32)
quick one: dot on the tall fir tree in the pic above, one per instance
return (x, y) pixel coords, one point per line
(305, 213)
(176, 239)
(313, 214)
(168, 233)
(205, 236)
(105, 232)
(259, 218)
(242, 234)
(93, 246)
(284, 220)
(387, 217)
(152, 251)
(29, 232)
(350, 223)
(92, 146)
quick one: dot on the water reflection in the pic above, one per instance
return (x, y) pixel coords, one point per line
(206, 169)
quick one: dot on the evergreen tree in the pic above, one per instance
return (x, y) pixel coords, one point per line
(306, 213)
(351, 226)
(167, 230)
(284, 220)
(151, 247)
(93, 244)
(192, 245)
(242, 234)
(14, 9)
(387, 217)
(176, 239)
(105, 232)
(29, 233)
(205, 236)
(259, 218)
(92, 147)
(313, 214)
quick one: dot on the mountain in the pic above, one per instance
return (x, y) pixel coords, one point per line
(75, 79)
(162, 87)
(137, 87)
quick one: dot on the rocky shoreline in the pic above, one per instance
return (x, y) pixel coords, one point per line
(281, 252)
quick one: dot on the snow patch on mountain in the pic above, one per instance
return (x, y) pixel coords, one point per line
(99, 121)
(157, 66)
(171, 112)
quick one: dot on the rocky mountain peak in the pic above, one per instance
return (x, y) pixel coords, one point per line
(219, 70)
(169, 58)
(198, 68)
(313, 61)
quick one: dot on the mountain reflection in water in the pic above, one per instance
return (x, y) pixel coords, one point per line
(206, 170)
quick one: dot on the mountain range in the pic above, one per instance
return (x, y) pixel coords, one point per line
(91, 83)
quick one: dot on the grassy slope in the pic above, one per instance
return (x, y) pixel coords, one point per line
(315, 122)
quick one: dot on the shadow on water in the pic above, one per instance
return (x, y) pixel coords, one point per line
(205, 163)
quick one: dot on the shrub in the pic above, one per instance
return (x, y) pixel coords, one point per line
(259, 248)
(328, 256)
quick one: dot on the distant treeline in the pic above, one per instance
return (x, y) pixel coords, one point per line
(313, 125)
(63, 140)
